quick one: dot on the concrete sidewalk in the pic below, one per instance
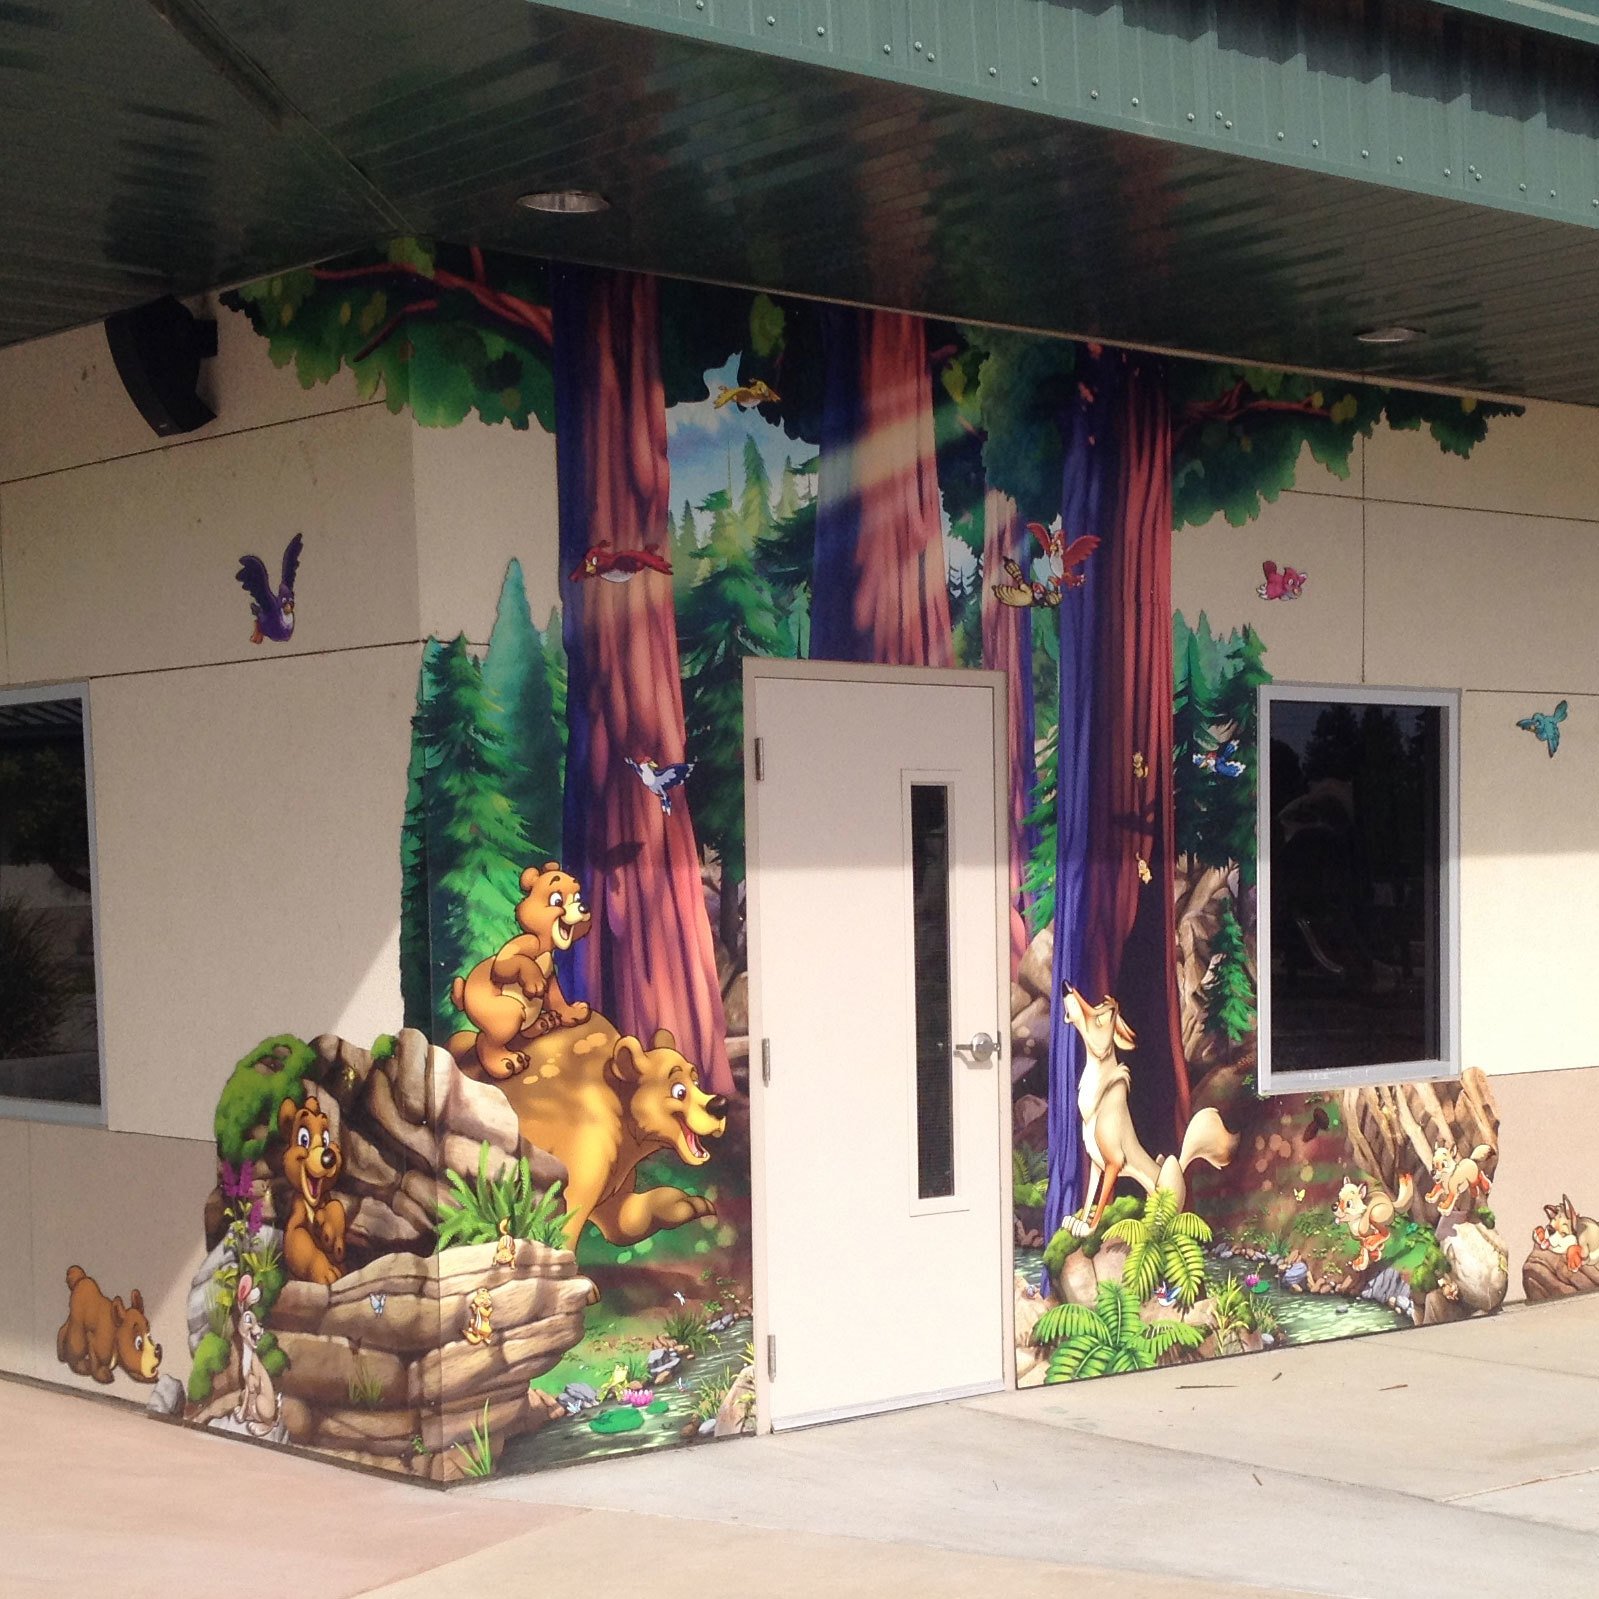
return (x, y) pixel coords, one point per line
(1462, 1458)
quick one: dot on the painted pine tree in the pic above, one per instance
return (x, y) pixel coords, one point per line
(475, 844)
(517, 678)
(1229, 989)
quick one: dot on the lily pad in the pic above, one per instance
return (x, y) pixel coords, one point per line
(624, 1418)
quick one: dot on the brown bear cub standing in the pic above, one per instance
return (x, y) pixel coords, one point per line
(313, 1239)
(514, 997)
(101, 1334)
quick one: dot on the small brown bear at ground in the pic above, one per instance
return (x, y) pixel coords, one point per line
(101, 1334)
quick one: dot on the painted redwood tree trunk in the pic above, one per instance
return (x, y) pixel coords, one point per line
(880, 591)
(649, 961)
(1087, 506)
(1129, 925)
(1008, 648)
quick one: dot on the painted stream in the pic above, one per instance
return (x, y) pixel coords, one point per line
(572, 1441)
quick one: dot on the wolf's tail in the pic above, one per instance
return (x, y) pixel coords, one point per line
(1207, 1139)
(1404, 1193)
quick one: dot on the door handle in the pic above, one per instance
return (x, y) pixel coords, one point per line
(983, 1049)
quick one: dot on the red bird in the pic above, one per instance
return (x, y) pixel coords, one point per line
(1284, 584)
(620, 566)
(1061, 557)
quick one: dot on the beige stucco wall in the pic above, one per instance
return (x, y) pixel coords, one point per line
(248, 798)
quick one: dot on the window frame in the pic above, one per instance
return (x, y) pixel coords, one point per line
(56, 1111)
(1448, 1064)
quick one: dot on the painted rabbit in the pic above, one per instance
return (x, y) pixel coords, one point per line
(257, 1409)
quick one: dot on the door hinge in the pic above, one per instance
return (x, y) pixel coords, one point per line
(766, 1060)
(760, 761)
(771, 1357)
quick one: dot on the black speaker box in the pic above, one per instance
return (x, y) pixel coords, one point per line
(158, 349)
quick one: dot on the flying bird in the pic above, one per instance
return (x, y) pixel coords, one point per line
(620, 566)
(1059, 559)
(1282, 583)
(756, 392)
(1222, 761)
(1545, 727)
(1021, 591)
(273, 612)
(661, 780)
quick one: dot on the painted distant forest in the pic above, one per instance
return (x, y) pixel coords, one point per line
(751, 474)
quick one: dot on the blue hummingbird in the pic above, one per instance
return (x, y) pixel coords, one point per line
(1545, 727)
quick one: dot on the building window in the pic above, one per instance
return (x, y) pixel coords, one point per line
(1359, 887)
(49, 1013)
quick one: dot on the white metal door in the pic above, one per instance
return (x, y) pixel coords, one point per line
(876, 916)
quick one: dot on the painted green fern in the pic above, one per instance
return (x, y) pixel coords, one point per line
(1108, 1339)
(1163, 1245)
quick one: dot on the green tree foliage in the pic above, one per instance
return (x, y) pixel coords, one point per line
(1238, 432)
(1024, 385)
(1163, 1244)
(783, 560)
(517, 678)
(476, 844)
(42, 800)
(727, 614)
(1216, 684)
(416, 983)
(441, 330)
(1038, 884)
(1229, 991)
(1109, 1338)
(36, 982)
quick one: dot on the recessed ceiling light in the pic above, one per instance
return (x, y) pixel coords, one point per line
(564, 202)
(1390, 335)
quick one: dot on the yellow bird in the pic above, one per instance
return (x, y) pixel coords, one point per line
(756, 392)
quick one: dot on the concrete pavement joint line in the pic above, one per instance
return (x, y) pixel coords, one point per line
(1529, 1482)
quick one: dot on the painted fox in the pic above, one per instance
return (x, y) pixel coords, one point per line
(1457, 1176)
(1574, 1238)
(1370, 1218)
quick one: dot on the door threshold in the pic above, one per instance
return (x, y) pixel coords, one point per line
(877, 1407)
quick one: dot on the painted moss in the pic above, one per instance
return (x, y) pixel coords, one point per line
(272, 1072)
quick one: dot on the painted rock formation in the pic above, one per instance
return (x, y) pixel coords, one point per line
(1545, 1275)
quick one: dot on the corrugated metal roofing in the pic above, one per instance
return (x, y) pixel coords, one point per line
(143, 155)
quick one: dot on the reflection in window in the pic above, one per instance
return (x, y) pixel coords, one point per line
(48, 1034)
(935, 1109)
(1358, 864)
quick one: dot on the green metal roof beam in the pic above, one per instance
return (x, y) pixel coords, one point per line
(1427, 99)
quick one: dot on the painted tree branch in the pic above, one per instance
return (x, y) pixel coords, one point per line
(521, 316)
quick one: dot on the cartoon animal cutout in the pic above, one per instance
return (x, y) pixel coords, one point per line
(1282, 583)
(1140, 765)
(313, 1239)
(478, 1328)
(1455, 1177)
(257, 1409)
(661, 780)
(1369, 1217)
(101, 1336)
(620, 566)
(1545, 727)
(756, 392)
(1574, 1238)
(514, 996)
(273, 609)
(1223, 761)
(505, 1246)
(601, 1102)
(1060, 560)
(1109, 1138)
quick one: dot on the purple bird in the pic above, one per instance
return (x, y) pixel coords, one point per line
(273, 613)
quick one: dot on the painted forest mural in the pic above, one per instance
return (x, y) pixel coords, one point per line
(742, 473)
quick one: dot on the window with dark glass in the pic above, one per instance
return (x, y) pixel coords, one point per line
(935, 1064)
(49, 1047)
(1355, 847)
